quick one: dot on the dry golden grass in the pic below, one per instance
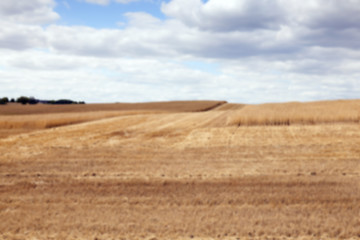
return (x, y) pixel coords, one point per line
(298, 113)
(182, 176)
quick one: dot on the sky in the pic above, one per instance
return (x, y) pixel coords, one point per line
(241, 51)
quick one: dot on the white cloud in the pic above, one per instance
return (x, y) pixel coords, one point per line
(328, 14)
(100, 79)
(143, 20)
(20, 36)
(100, 2)
(28, 11)
(249, 15)
(266, 50)
(126, 1)
(106, 2)
(251, 80)
(230, 15)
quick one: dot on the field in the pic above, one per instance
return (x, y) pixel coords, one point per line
(180, 170)
(17, 118)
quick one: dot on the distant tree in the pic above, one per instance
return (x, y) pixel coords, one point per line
(22, 100)
(4, 100)
(12, 100)
(32, 100)
(64, 101)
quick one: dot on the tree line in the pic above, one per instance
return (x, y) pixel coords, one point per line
(31, 100)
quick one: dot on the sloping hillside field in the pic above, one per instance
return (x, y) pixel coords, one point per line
(181, 170)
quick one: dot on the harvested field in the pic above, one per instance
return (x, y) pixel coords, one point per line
(186, 175)
(26, 123)
(174, 106)
(41, 121)
(17, 118)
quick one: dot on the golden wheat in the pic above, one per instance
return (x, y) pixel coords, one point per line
(42, 121)
(297, 113)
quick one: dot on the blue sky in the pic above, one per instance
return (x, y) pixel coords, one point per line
(74, 12)
(154, 50)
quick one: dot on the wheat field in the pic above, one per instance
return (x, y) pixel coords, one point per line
(224, 171)
(17, 118)
(173, 106)
(298, 113)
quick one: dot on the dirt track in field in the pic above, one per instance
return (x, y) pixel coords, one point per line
(181, 175)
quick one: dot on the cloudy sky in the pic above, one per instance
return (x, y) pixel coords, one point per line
(247, 51)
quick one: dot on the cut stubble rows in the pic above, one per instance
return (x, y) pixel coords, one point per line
(185, 175)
